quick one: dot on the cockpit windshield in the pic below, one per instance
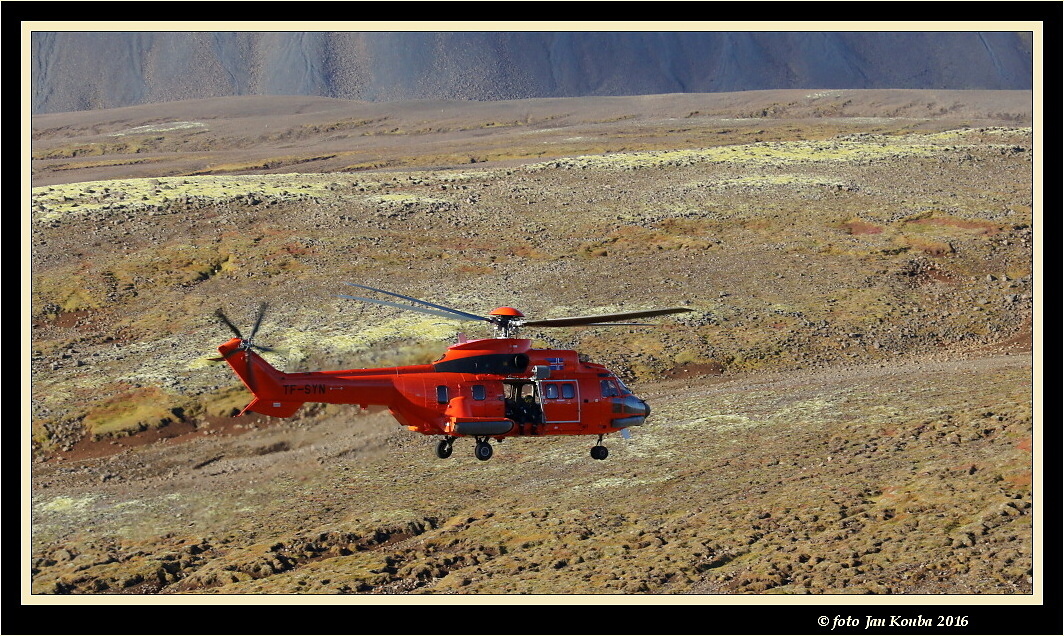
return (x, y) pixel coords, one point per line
(612, 387)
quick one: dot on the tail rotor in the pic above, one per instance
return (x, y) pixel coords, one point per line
(246, 344)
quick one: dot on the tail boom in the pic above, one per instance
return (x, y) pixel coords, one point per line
(282, 394)
(275, 409)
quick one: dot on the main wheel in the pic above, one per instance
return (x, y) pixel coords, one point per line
(483, 451)
(599, 452)
(444, 449)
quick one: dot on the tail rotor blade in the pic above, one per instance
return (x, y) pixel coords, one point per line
(246, 345)
(258, 321)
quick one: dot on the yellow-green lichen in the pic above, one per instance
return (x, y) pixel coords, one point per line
(55, 201)
(67, 504)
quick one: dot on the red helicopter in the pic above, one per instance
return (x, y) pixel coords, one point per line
(496, 387)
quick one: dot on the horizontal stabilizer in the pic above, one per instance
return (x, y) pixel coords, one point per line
(276, 409)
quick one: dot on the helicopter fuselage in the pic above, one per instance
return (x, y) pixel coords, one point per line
(497, 387)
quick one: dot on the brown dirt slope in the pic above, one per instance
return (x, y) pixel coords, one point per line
(849, 408)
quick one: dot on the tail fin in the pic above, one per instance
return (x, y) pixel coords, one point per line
(261, 378)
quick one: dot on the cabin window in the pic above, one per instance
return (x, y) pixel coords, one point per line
(441, 394)
(479, 392)
(498, 363)
(550, 391)
(568, 391)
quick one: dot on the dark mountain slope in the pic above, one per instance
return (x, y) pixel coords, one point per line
(84, 70)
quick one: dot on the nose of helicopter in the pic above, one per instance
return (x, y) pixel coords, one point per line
(635, 411)
(638, 406)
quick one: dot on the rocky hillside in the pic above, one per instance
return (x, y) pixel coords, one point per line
(847, 409)
(87, 70)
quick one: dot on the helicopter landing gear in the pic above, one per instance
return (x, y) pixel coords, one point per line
(599, 451)
(483, 450)
(445, 447)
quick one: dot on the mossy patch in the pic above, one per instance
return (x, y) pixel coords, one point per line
(67, 504)
(927, 245)
(168, 265)
(765, 153)
(858, 227)
(398, 342)
(72, 289)
(938, 222)
(55, 202)
(224, 402)
(132, 411)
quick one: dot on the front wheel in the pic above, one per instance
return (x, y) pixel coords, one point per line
(599, 452)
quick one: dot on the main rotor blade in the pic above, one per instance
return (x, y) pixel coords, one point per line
(444, 314)
(615, 324)
(576, 321)
(416, 300)
(222, 317)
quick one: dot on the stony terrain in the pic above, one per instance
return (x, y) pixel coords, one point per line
(849, 408)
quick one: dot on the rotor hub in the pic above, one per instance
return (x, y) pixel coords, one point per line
(509, 312)
(506, 321)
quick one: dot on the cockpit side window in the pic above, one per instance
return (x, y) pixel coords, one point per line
(609, 388)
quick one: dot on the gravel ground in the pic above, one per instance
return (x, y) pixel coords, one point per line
(849, 409)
